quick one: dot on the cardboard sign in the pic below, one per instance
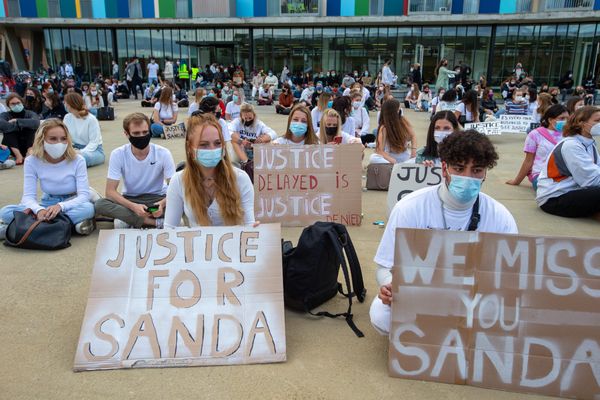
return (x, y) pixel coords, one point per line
(174, 131)
(184, 297)
(447, 106)
(486, 128)
(299, 185)
(515, 123)
(508, 312)
(408, 177)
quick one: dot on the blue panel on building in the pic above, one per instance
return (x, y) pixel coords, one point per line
(28, 8)
(597, 5)
(98, 9)
(244, 8)
(111, 9)
(148, 8)
(260, 8)
(393, 7)
(333, 8)
(347, 8)
(123, 9)
(67, 9)
(508, 6)
(489, 7)
(457, 6)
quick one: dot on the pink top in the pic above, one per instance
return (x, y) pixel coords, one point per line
(540, 145)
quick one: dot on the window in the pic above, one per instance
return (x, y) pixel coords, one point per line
(430, 6)
(471, 7)
(53, 8)
(181, 10)
(135, 8)
(86, 9)
(299, 7)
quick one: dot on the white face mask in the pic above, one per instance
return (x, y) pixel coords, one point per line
(55, 150)
(518, 98)
(94, 92)
(356, 104)
(438, 136)
(595, 131)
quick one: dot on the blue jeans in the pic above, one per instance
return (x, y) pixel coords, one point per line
(93, 111)
(424, 105)
(92, 158)
(157, 130)
(77, 214)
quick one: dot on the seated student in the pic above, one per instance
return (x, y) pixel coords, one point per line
(574, 104)
(442, 124)
(146, 169)
(299, 128)
(324, 102)
(84, 129)
(467, 111)
(248, 130)
(466, 157)
(285, 101)
(396, 142)
(265, 95)
(18, 127)
(424, 99)
(33, 100)
(517, 105)
(232, 111)
(343, 105)
(52, 106)
(436, 100)
(488, 104)
(209, 191)
(62, 176)
(199, 94)
(93, 100)
(358, 87)
(306, 96)
(539, 144)
(412, 97)
(330, 131)
(149, 98)
(165, 112)
(447, 101)
(5, 161)
(361, 118)
(569, 182)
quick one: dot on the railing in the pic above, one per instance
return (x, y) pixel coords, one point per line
(430, 6)
(568, 4)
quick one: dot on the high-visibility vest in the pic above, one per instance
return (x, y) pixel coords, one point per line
(183, 71)
(194, 73)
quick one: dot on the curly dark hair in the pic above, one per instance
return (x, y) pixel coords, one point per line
(470, 145)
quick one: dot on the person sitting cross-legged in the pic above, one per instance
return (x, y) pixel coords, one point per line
(146, 169)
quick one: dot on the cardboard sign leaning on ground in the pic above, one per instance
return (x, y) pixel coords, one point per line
(486, 128)
(300, 185)
(184, 297)
(174, 131)
(408, 177)
(515, 123)
(508, 312)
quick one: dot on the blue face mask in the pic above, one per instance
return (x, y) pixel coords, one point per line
(235, 98)
(329, 104)
(209, 158)
(559, 125)
(211, 95)
(298, 129)
(464, 189)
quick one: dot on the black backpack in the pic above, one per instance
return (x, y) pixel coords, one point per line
(310, 270)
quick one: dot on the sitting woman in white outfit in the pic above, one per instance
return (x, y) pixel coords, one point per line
(330, 131)
(299, 128)
(396, 141)
(209, 191)
(84, 129)
(62, 176)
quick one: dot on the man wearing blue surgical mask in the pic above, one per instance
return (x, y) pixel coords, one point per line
(455, 204)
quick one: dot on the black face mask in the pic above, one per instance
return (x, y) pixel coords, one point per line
(249, 123)
(331, 130)
(30, 98)
(140, 142)
(218, 114)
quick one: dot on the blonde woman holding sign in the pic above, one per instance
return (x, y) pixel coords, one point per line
(331, 132)
(209, 191)
(299, 128)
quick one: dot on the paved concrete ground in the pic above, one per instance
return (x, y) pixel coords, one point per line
(44, 296)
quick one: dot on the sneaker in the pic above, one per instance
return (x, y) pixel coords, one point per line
(86, 226)
(160, 223)
(3, 228)
(7, 164)
(118, 224)
(94, 195)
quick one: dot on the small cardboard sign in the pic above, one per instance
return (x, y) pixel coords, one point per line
(447, 106)
(184, 297)
(174, 131)
(486, 128)
(515, 123)
(408, 177)
(300, 185)
(509, 312)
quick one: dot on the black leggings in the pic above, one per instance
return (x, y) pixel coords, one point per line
(575, 204)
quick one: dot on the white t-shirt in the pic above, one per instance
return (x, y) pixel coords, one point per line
(316, 115)
(283, 140)
(422, 209)
(177, 204)
(164, 111)
(461, 108)
(233, 110)
(253, 131)
(349, 125)
(225, 129)
(193, 107)
(361, 121)
(347, 138)
(152, 70)
(145, 176)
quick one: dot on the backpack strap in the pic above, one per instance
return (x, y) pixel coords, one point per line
(544, 132)
(358, 286)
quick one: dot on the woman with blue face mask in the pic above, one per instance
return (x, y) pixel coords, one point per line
(209, 191)
(299, 129)
(232, 111)
(539, 144)
(18, 127)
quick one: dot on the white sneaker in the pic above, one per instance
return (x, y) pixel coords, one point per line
(94, 195)
(3, 228)
(86, 226)
(7, 164)
(118, 224)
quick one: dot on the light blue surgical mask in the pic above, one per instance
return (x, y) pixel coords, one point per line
(464, 189)
(235, 98)
(298, 129)
(559, 125)
(17, 108)
(209, 158)
(330, 104)
(211, 95)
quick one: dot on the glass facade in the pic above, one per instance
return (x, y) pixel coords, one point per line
(546, 51)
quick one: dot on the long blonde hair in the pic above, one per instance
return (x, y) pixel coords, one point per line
(37, 149)
(227, 193)
(330, 112)
(309, 136)
(323, 101)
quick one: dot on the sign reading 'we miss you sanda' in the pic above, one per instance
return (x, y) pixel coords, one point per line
(507, 312)
(184, 297)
